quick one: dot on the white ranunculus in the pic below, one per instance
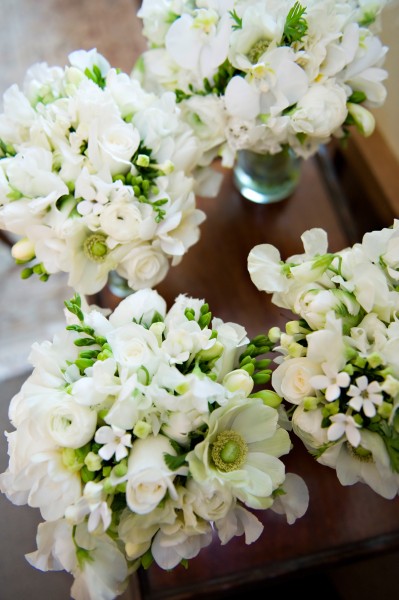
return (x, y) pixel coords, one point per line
(148, 477)
(320, 111)
(71, 425)
(212, 501)
(291, 379)
(121, 221)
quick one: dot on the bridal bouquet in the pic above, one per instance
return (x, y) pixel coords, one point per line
(96, 176)
(338, 363)
(264, 75)
(141, 433)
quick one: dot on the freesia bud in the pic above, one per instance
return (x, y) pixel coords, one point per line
(238, 380)
(364, 120)
(23, 250)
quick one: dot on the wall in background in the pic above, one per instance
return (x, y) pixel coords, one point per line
(387, 116)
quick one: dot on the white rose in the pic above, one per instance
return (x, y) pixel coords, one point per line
(144, 267)
(148, 477)
(118, 143)
(291, 379)
(133, 345)
(71, 425)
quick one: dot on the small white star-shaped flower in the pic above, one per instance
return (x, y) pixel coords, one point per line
(331, 382)
(365, 396)
(344, 425)
(116, 441)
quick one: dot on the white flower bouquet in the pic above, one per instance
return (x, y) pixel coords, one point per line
(140, 435)
(265, 75)
(338, 363)
(96, 176)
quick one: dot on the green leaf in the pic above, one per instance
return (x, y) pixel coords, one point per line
(237, 20)
(295, 26)
(174, 462)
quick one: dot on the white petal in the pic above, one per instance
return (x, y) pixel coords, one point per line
(241, 99)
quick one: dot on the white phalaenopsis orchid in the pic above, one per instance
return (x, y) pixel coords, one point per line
(281, 73)
(96, 175)
(139, 434)
(337, 366)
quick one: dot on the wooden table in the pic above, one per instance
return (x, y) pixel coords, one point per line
(342, 523)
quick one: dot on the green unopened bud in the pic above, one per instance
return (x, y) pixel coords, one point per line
(108, 487)
(211, 353)
(121, 487)
(363, 118)
(360, 362)
(86, 475)
(268, 397)
(249, 367)
(71, 460)
(332, 408)
(358, 419)
(142, 429)
(143, 160)
(391, 386)
(120, 469)
(261, 377)
(310, 403)
(23, 251)
(385, 410)
(26, 273)
(93, 461)
(374, 360)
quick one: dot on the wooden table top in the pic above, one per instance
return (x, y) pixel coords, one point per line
(342, 523)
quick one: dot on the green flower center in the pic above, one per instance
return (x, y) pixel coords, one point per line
(229, 451)
(361, 453)
(95, 247)
(257, 50)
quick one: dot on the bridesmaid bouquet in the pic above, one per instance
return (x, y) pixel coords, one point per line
(338, 362)
(96, 175)
(142, 435)
(266, 75)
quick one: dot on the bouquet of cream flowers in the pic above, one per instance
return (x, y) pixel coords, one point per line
(338, 363)
(96, 175)
(265, 75)
(139, 434)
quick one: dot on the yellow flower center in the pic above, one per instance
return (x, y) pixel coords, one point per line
(95, 247)
(257, 50)
(360, 453)
(229, 451)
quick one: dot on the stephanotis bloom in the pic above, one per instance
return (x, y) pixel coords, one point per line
(139, 437)
(276, 74)
(337, 366)
(97, 175)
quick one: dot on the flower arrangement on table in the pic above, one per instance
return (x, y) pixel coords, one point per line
(264, 76)
(139, 434)
(338, 363)
(96, 175)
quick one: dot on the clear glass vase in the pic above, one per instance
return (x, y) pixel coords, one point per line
(267, 178)
(118, 285)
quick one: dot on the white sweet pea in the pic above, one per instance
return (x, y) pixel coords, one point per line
(294, 502)
(200, 42)
(264, 266)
